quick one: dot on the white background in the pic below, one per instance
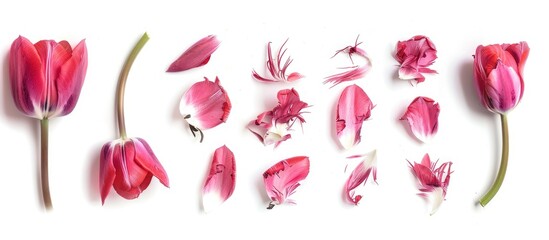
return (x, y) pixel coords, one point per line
(468, 135)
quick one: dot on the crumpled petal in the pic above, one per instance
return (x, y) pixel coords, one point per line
(277, 71)
(220, 183)
(415, 56)
(498, 75)
(128, 166)
(353, 108)
(282, 179)
(433, 181)
(272, 127)
(422, 117)
(355, 72)
(360, 175)
(197, 55)
(47, 77)
(205, 105)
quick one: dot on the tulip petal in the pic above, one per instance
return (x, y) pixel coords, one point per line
(197, 55)
(433, 181)
(107, 172)
(415, 56)
(360, 175)
(355, 72)
(205, 105)
(506, 85)
(282, 179)
(70, 79)
(277, 71)
(220, 183)
(422, 117)
(146, 158)
(353, 108)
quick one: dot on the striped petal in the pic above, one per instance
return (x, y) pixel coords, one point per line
(353, 108)
(195, 56)
(220, 183)
(422, 117)
(282, 179)
(360, 175)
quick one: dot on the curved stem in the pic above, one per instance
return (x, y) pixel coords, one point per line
(503, 165)
(44, 164)
(122, 85)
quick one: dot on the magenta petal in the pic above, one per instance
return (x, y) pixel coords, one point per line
(282, 179)
(220, 183)
(353, 108)
(359, 176)
(348, 75)
(422, 117)
(146, 159)
(206, 104)
(107, 172)
(415, 56)
(277, 69)
(195, 56)
(433, 181)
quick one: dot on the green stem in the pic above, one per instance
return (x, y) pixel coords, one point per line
(122, 84)
(44, 164)
(503, 165)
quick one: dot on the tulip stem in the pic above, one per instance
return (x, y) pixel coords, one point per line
(44, 164)
(503, 165)
(122, 84)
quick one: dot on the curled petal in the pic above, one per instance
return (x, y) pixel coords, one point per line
(205, 105)
(107, 172)
(353, 108)
(433, 181)
(360, 175)
(422, 117)
(276, 69)
(220, 183)
(148, 161)
(195, 56)
(282, 179)
(356, 72)
(415, 56)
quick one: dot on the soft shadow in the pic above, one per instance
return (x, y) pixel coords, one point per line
(260, 186)
(469, 89)
(93, 177)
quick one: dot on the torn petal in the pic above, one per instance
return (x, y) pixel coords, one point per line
(220, 183)
(205, 105)
(356, 72)
(276, 67)
(195, 56)
(282, 179)
(422, 117)
(353, 108)
(360, 175)
(415, 56)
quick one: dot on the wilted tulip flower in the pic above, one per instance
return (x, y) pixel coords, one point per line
(46, 79)
(422, 117)
(498, 78)
(282, 179)
(205, 105)
(196, 55)
(415, 56)
(433, 181)
(128, 164)
(353, 108)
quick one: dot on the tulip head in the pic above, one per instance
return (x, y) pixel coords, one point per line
(46, 77)
(498, 75)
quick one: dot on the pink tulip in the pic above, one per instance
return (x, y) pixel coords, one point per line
(205, 105)
(282, 179)
(46, 79)
(415, 56)
(220, 182)
(128, 164)
(195, 56)
(433, 181)
(355, 72)
(353, 108)
(360, 175)
(422, 117)
(272, 127)
(498, 77)
(277, 71)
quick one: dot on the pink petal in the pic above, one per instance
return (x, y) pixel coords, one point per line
(146, 158)
(353, 108)
(503, 88)
(277, 71)
(359, 176)
(220, 183)
(282, 179)
(355, 72)
(415, 56)
(131, 179)
(422, 117)
(107, 172)
(205, 105)
(195, 56)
